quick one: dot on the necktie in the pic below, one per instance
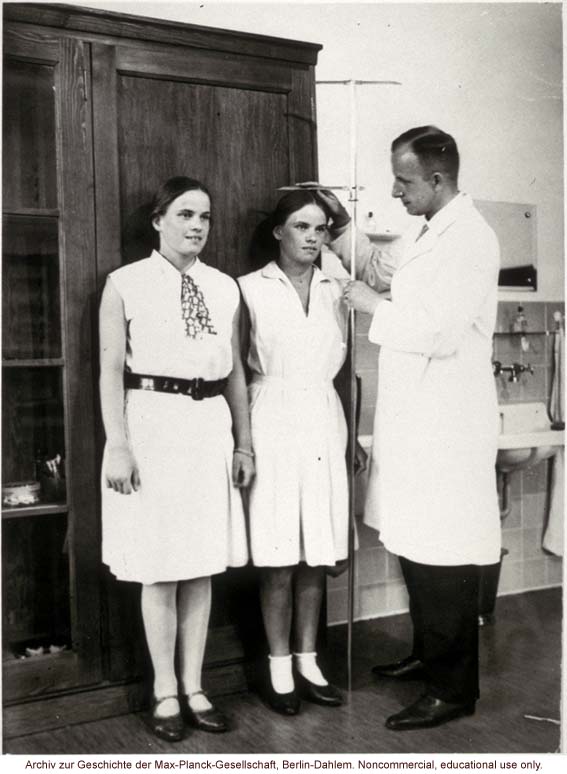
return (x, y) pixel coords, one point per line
(422, 232)
(194, 310)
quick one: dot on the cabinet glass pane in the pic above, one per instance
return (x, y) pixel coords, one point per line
(35, 587)
(29, 169)
(32, 430)
(31, 326)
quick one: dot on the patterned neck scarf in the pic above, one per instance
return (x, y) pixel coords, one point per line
(194, 310)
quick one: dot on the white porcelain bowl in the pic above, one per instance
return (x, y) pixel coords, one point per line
(526, 436)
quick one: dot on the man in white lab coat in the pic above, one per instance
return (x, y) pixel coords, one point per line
(432, 488)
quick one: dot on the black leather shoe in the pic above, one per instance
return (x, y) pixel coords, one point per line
(409, 668)
(428, 712)
(325, 695)
(169, 728)
(211, 720)
(282, 703)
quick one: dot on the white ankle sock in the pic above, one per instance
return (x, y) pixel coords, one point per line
(280, 674)
(307, 666)
(198, 701)
(167, 707)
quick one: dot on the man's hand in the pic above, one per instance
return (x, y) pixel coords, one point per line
(339, 216)
(360, 297)
(337, 213)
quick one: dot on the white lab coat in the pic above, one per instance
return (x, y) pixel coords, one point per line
(432, 483)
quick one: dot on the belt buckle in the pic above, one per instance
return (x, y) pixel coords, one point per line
(197, 390)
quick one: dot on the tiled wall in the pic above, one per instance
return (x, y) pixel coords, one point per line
(380, 588)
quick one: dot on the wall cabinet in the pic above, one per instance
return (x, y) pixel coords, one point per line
(99, 109)
(515, 225)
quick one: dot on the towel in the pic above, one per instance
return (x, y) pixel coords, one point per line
(557, 397)
(554, 531)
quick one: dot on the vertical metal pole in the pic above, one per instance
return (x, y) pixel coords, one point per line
(353, 387)
(353, 198)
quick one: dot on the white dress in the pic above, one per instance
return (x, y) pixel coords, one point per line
(186, 520)
(299, 499)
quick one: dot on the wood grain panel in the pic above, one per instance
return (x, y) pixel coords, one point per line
(25, 42)
(236, 70)
(113, 25)
(77, 240)
(302, 126)
(234, 140)
(106, 164)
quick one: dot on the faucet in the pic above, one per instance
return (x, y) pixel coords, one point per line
(514, 370)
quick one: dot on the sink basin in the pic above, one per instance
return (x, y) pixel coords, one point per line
(526, 436)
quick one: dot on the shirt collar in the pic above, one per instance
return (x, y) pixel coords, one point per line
(170, 270)
(459, 204)
(273, 271)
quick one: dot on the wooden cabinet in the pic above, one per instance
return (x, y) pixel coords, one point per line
(99, 109)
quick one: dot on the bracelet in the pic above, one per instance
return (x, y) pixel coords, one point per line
(244, 451)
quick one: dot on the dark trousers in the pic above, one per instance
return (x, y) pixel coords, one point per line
(444, 613)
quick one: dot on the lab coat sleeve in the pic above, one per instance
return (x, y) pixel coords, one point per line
(374, 266)
(433, 318)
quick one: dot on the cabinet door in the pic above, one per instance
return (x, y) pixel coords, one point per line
(244, 126)
(51, 614)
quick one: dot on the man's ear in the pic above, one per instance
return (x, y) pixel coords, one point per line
(438, 179)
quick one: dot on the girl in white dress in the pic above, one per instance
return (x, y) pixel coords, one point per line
(178, 444)
(296, 322)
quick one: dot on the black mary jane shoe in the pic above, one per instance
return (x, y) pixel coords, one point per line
(428, 712)
(169, 728)
(409, 668)
(211, 720)
(282, 703)
(325, 695)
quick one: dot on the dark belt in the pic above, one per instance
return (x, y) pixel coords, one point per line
(193, 388)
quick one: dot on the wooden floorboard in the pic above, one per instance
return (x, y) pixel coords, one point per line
(520, 674)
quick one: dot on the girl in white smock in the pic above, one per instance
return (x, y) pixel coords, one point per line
(171, 377)
(299, 499)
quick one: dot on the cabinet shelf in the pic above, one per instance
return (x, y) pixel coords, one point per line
(30, 212)
(381, 236)
(43, 509)
(33, 362)
(11, 661)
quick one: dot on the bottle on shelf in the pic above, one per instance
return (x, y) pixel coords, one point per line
(520, 325)
(369, 223)
(520, 322)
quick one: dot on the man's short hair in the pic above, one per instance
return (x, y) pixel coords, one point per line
(436, 150)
